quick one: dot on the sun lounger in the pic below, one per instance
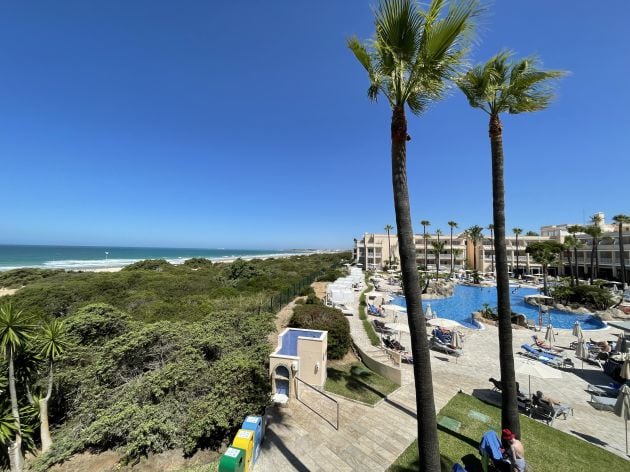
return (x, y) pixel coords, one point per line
(490, 450)
(545, 357)
(380, 327)
(545, 347)
(522, 398)
(548, 411)
(441, 346)
(603, 403)
(603, 390)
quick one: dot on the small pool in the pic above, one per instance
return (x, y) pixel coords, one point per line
(468, 299)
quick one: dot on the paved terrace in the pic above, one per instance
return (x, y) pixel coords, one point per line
(371, 438)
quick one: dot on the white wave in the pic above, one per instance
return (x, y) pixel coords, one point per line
(96, 264)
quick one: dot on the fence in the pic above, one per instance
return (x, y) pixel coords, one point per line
(319, 403)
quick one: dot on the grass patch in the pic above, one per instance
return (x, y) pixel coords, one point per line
(369, 329)
(357, 382)
(546, 449)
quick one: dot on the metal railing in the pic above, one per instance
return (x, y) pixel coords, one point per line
(297, 395)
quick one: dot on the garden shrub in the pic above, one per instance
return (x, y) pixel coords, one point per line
(326, 319)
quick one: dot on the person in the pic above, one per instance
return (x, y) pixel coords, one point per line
(514, 451)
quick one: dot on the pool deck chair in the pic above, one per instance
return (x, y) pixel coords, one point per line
(603, 390)
(603, 403)
(441, 346)
(490, 450)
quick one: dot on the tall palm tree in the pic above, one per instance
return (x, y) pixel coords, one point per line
(53, 341)
(496, 87)
(15, 330)
(573, 230)
(570, 245)
(597, 220)
(545, 253)
(388, 228)
(424, 224)
(491, 228)
(595, 232)
(475, 234)
(453, 225)
(412, 56)
(622, 220)
(516, 232)
(438, 247)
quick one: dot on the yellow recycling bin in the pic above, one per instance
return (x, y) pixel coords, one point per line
(244, 439)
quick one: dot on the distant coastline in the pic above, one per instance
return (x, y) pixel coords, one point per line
(111, 259)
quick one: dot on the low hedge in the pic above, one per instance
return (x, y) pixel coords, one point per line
(326, 319)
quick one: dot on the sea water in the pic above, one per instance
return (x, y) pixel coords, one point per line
(103, 257)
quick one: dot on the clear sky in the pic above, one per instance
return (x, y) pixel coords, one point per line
(246, 124)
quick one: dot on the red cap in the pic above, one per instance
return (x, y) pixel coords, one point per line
(507, 435)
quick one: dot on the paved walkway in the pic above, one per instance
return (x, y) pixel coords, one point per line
(372, 438)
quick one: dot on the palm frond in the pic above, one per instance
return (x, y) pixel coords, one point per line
(16, 328)
(530, 88)
(441, 50)
(54, 339)
(398, 23)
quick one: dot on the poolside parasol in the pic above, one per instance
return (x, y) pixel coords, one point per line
(581, 351)
(550, 337)
(622, 407)
(625, 368)
(443, 323)
(538, 370)
(429, 313)
(577, 330)
(400, 327)
(458, 343)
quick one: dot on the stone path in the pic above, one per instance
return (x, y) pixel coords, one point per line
(372, 438)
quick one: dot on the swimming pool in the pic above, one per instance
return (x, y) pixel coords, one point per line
(467, 299)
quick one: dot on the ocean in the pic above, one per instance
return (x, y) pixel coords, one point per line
(103, 257)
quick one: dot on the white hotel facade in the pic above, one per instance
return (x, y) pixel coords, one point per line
(373, 251)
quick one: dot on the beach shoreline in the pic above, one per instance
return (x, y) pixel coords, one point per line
(221, 260)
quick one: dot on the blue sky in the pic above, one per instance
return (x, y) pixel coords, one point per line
(246, 124)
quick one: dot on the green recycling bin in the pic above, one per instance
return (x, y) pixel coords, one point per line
(232, 460)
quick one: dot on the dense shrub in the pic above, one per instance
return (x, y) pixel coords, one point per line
(312, 299)
(158, 265)
(592, 296)
(326, 319)
(166, 356)
(20, 277)
(198, 262)
(331, 275)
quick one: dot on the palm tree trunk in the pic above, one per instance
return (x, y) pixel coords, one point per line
(453, 257)
(43, 414)
(596, 258)
(577, 267)
(592, 258)
(570, 267)
(509, 407)
(621, 256)
(15, 447)
(428, 445)
(492, 239)
(545, 269)
(515, 270)
(389, 248)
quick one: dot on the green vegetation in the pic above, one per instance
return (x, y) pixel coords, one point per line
(159, 356)
(545, 253)
(316, 316)
(593, 296)
(546, 448)
(357, 382)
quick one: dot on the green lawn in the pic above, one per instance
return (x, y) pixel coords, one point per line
(357, 382)
(546, 449)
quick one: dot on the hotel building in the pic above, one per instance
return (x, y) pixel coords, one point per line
(373, 251)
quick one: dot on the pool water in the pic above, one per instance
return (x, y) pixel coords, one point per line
(467, 299)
